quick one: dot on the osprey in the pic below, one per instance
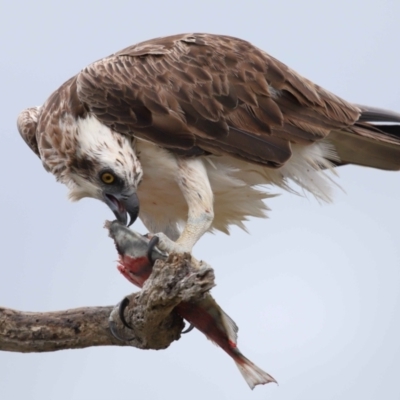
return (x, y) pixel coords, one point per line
(193, 127)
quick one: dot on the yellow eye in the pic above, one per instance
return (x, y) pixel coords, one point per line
(107, 178)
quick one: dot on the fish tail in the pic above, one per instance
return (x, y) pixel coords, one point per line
(251, 373)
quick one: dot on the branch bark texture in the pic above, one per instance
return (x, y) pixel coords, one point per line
(150, 313)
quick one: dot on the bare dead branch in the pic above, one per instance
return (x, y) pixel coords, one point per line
(150, 313)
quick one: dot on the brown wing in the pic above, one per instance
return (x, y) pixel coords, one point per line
(200, 93)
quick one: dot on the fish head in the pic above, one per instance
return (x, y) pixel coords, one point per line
(136, 255)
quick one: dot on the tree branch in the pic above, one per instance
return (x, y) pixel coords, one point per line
(71, 329)
(150, 313)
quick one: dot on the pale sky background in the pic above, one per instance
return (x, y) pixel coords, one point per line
(314, 289)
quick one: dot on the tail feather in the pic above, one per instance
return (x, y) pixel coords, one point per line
(373, 141)
(373, 114)
(392, 130)
(253, 374)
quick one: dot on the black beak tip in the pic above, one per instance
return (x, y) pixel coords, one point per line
(132, 208)
(122, 217)
(123, 206)
(130, 222)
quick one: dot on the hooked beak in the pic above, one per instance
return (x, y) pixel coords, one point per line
(122, 205)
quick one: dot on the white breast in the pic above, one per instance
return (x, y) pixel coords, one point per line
(239, 187)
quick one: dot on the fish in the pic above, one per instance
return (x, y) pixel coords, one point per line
(137, 256)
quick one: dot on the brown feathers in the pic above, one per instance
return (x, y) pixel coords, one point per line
(201, 93)
(211, 92)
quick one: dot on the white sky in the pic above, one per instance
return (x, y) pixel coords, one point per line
(314, 289)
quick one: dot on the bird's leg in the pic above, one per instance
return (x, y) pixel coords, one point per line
(193, 181)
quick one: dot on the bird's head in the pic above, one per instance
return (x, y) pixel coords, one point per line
(86, 155)
(105, 167)
(90, 158)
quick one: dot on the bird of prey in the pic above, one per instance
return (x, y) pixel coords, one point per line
(196, 128)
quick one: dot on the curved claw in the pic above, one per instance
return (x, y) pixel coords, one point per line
(187, 330)
(124, 303)
(113, 328)
(153, 243)
(113, 331)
